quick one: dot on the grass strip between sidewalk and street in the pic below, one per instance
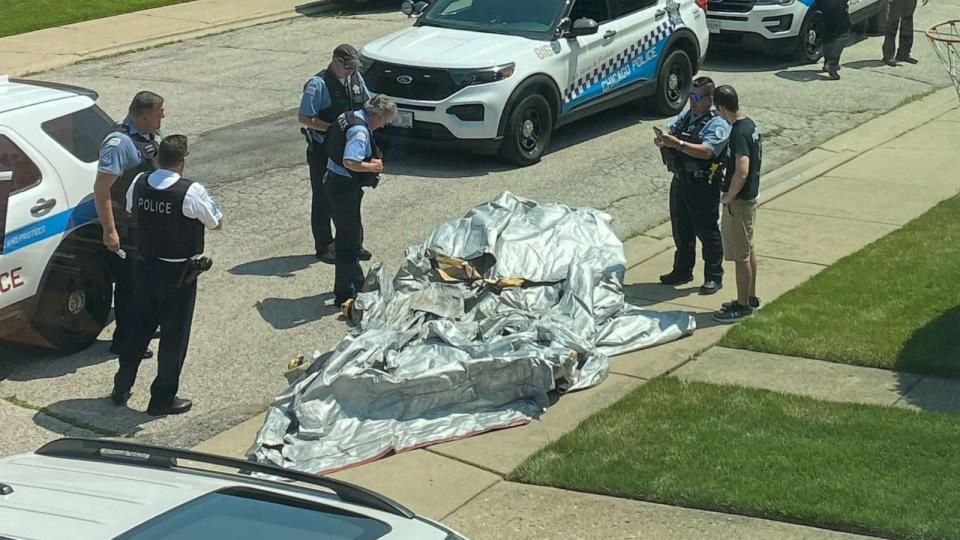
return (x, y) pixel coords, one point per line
(895, 304)
(859, 468)
(19, 16)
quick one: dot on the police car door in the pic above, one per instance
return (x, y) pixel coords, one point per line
(593, 56)
(644, 31)
(33, 218)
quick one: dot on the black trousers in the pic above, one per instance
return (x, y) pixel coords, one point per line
(833, 48)
(121, 270)
(161, 299)
(695, 213)
(320, 214)
(345, 196)
(900, 18)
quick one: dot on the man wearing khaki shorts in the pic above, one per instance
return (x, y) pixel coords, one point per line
(740, 188)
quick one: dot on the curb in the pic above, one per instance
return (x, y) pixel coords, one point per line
(65, 60)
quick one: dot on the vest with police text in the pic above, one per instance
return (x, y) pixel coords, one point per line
(164, 232)
(342, 99)
(337, 144)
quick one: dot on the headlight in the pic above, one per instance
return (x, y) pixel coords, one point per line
(467, 77)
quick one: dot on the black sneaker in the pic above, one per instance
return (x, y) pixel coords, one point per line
(710, 287)
(754, 303)
(676, 279)
(120, 398)
(177, 406)
(908, 59)
(364, 255)
(733, 313)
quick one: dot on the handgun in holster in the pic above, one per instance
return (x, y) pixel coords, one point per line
(193, 268)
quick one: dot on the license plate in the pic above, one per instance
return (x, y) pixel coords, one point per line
(713, 26)
(404, 119)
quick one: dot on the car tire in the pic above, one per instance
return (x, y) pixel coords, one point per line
(674, 80)
(74, 304)
(810, 41)
(528, 131)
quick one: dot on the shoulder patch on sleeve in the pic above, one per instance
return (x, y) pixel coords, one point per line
(361, 135)
(720, 132)
(309, 89)
(114, 141)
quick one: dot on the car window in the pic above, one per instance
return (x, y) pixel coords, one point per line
(626, 7)
(536, 19)
(598, 10)
(25, 173)
(81, 132)
(252, 514)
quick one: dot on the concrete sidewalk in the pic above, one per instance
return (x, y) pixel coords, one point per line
(833, 201)
(50, 48)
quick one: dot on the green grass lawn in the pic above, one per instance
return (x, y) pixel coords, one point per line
(18, 16)
(854, 467)
(895, 304)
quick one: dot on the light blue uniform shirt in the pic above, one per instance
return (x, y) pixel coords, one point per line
(714, 133)
(316, 97)
(358, 147)
(118, 152)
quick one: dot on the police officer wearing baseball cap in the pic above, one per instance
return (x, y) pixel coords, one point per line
(337, 89)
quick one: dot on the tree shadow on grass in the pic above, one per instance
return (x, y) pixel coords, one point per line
(934, 352)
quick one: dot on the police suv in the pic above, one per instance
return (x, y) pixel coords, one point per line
(54, 286)
(778, 26)
(498, 76)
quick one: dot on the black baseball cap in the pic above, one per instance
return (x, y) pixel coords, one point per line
(348, 54)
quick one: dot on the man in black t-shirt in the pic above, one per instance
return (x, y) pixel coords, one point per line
(740, 187)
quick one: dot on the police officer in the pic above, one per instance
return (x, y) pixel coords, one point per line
(355, 162)
(337, 89)
(691, 148)
(125, 152)
(171, 213)
(899, 16)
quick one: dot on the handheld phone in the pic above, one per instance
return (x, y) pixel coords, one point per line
(658, 131)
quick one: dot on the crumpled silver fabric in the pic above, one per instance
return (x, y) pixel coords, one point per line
(431, 360)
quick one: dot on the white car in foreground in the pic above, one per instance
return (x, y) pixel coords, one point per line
(498, 76)
(97, 489)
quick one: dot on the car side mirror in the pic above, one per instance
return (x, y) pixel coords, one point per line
(411, 9)
(583, 27)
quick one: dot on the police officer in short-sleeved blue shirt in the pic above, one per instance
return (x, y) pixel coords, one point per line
(355, 162)
(691, 148)
(337, 89)
(125, 152)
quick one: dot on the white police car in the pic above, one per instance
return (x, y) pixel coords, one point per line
(778, 26)
(501, 75)
(54, 287)
(84, 488)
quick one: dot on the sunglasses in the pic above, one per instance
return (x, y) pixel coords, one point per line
(343, 62)
(695, 98)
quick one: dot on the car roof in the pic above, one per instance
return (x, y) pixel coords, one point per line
(102, 488)
(20, 93)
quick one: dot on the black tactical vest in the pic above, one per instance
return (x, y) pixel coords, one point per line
(337, 142)
(164, 232)
(690, 132)
(342, 99)
(125, 221)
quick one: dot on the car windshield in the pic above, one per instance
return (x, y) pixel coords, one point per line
(535, 19)
(243, 513)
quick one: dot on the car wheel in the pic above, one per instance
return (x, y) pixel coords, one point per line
(673, 84)
(74, 305)
(810, 40)
(528, 131)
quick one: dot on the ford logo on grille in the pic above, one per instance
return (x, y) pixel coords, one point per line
(404, 79)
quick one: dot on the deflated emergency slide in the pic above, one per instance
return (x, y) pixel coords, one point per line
(494, 311)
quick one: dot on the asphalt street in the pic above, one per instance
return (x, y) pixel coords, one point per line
(267, 299)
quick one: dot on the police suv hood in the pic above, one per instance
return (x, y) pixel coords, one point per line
(429, 46)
